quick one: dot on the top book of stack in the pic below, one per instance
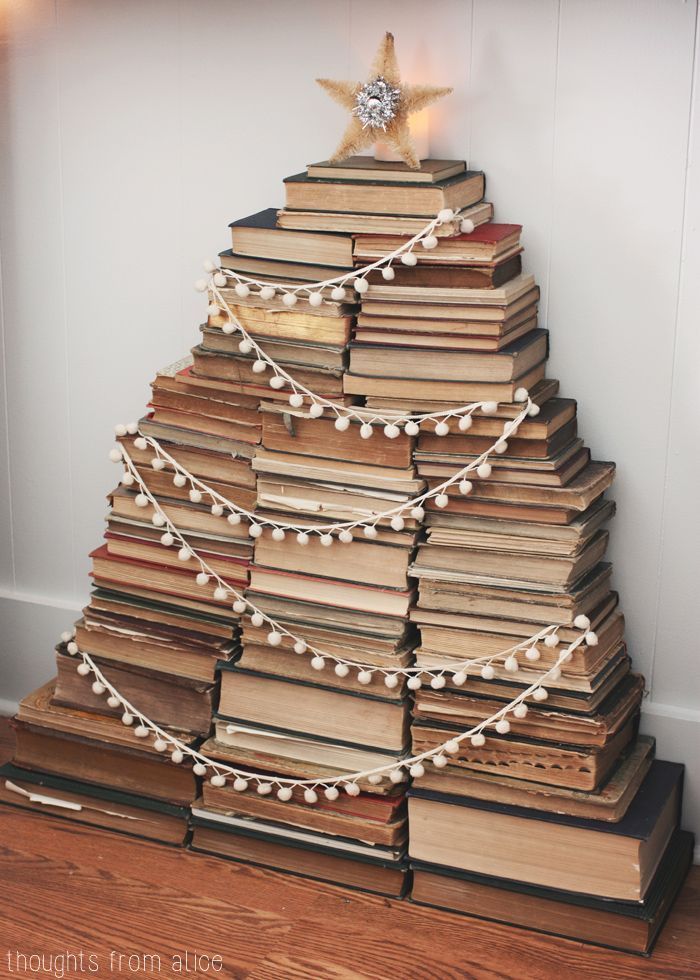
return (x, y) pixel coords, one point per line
(366, 196)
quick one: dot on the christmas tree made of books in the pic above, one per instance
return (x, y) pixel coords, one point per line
(352, 617)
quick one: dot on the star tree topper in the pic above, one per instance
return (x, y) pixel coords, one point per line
(381, 106)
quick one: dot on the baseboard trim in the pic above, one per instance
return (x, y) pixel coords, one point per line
(12, 595)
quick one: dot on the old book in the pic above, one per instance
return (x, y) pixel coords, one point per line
(139, 550)
(261, 322)
(348, 717)
(177, 392)
(348, 473)
(337, 501)
(555, 471)
(485, 244)
(539, 394)
(359, 598)
(455, 445)
(587, 857)
(307, 610)
(107, 606)
(187, 517)
(376, 224)
(478, 276)
(329, 308)
(609, 802)
(96, 806)
(382, 334)
(404, 362)
(276, 270)
(474, 310)
(292, 353)
(323, 859)
(367, 168)
(259, 235)
(96, 749)
(140, 534)
(457, 392)
(194, 439)
(363, 561)
(631, 928)
(517, 289)
(168, 699)
(239, 370)
(377, 197)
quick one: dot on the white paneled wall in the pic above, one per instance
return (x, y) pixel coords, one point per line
(132, 132)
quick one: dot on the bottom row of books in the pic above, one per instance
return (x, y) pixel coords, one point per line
(604, 881)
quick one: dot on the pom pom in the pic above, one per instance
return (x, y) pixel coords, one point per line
(98, 687)
(520, 710)
(459, 678)
(132, 428)
(213, 309)
(240, 785)
(366, 430)
(591, 639)
(274, 638)
(452, 746)
(72, 648)
(521, 395)
(201, 285)
(264, 789)
(318, 663)
(245, 346)
(446, 214)
(465, 423)
(345, 536)
(551, 640)
(397, 523)
(392, 431)
(234, 518)
(302, 538)
(257, 619)
(220, 593)
(370, 531)
(179, 480)
(533, 411)
(289, 299)
(195, 495)
(365, 677)
(391, 681)
(83, 669)
(417, 770)
(278, 534)
(228, 327)
(220, 279)
(209, 265)
(157, 463)
(242, 289)
(501, 446)
(167, 539)
(396, 776)
(140, 443)
(478, 740)
(487, 672)
(300, 647)
(127, 718)
(489, 408)
(442, 500)
(503, 726)
(67, 635)
(352, 789)
(267, 292)
(429, 242)
(296, 399)
(218, 779)
(315, 299)
(331, 793)
(160, 745)
(483, 470)
(217, 510)
(115, 455)
(199, 769)
(582, 623)
(276, 382)
(113, 701)
(120, 429)
(141, 500)
(239, 606)
(315, 410)
(511, 664)
(466, 226)
(326, 540)
(341, 670)
(408, 258)
(141, 731)
(338, 294)
(127, 479)
(184, 554)
(540, 694)
(259, 366)
(414, 683)
(284, 793)
(375, 779)
(177, 756)
(411, 428)
(442, 429)
(342, 423)
(388, 273)
(554, 674)
(361, 286)
(532, 654)
(465, 486)
(310, 796)
(255, 531)
(440, 761)
(417, 513)
(437, 683)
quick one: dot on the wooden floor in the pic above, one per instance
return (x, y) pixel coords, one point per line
(70, 889)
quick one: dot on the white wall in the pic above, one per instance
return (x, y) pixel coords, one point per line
(132, 132)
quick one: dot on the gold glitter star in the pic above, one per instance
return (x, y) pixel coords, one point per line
(381, 106)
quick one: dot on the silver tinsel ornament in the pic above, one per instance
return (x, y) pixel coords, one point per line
(376, 103)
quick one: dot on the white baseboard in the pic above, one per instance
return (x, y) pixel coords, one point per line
(8, 708)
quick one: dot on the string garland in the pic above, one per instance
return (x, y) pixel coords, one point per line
(396, 771)
(206, 577)
(268, 289)
(328, 533)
